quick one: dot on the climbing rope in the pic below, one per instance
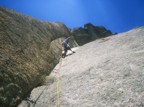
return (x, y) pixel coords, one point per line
(39, 96)
(58, 86)
(58, 83)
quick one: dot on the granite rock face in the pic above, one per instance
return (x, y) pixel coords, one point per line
(89, 33)
(29, 49)
(108, 72)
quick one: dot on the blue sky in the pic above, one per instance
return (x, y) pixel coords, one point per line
(116, 15)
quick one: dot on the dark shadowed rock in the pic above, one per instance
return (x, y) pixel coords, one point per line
(108, 72)
(29, 49)
(89, 33)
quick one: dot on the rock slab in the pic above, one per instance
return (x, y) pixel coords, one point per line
(107, 72)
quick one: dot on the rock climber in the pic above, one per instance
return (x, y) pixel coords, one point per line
(65, 46)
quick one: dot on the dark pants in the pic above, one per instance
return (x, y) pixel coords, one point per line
(65, 51)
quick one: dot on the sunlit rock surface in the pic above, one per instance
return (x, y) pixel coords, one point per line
(107, 72)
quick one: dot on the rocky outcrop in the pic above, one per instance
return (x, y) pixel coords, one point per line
(29, 49)
(108, 72)
(89, 33)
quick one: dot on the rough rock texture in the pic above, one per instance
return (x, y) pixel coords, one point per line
(108, 72)
(89, 33)
(29, 49)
